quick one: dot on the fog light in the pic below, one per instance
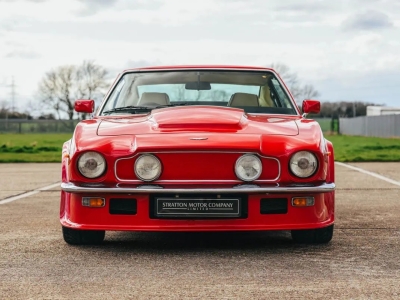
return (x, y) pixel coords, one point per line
(93, 202)
(303, 201)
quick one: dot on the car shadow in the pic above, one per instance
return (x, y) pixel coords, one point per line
(188, 242)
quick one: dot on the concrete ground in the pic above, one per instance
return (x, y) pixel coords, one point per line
(361, 262)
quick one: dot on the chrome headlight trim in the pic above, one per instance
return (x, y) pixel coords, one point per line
(303, 164)
(155, 161)
(91, 164)
(257, 167)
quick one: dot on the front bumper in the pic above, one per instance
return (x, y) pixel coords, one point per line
(74, 215)
(148, 188)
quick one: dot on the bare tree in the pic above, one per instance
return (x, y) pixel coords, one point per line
(200, 96)
(92, 80)
(60, 87)
(308, 92)
(56, 90)
(219, 95)
(181, 94)
(4, 110)
(298, 91)
(283, 70)
(344, 109)
(34, 108)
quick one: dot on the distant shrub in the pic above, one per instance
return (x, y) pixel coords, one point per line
(27, 149)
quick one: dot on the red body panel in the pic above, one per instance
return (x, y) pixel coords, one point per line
(208, 119)
(201, 151)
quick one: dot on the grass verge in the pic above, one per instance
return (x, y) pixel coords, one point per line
(32, 147)
(363, 149)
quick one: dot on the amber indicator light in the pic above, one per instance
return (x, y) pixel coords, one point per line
(93, 202)
(303, 201)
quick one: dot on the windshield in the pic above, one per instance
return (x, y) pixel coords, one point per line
(255, 92)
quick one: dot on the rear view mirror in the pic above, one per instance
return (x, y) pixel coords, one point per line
(311, 106)
(84, 106)
(198, 86)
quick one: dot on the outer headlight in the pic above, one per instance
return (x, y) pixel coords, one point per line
(303, 164)
(91, 164)
(248, 167)
(147, 167)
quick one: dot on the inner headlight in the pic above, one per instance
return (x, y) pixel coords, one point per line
(147, 167)
(303, 164)
(248, 167)
(91, 164)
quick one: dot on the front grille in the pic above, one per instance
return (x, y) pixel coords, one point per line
(123, 206)
(204, 167)
(274, 206)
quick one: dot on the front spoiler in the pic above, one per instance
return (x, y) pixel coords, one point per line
(148, 188)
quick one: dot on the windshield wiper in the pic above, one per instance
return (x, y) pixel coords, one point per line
(134, 109)
(131, 108)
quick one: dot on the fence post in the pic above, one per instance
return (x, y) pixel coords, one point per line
(19, 127)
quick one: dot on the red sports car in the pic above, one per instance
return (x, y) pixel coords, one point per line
(197, 148)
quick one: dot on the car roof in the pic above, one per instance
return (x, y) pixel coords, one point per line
(213, 67)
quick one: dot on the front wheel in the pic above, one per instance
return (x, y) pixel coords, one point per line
(313, 236)
(82, 237)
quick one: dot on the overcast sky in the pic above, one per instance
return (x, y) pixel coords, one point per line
(348, 49)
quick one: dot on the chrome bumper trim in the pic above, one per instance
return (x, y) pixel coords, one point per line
(323, 188)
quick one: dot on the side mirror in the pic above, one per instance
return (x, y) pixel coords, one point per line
(311, 106)
(84, 106)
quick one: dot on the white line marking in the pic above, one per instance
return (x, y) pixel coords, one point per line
(27, 194)
(369, 173)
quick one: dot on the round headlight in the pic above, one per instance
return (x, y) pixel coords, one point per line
(303, 164)
(248, 167)
(91, 164)
(147, 167)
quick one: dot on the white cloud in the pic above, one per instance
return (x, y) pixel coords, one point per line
(368, 20)
(307, 36)
(24, 11)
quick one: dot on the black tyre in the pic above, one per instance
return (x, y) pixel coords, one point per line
(313, 236)
(82, 237)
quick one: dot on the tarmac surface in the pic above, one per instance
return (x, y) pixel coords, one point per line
(361, 262)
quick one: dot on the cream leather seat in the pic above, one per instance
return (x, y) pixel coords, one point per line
(154, 98)
(243, 99)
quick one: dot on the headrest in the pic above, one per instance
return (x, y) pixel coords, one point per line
(243, 99)
(154, 98)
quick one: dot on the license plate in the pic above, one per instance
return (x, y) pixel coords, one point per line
(181, 208)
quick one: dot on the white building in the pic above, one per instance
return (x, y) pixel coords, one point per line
(382, 110)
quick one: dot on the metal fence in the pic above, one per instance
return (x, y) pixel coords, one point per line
(325, 123)
(378, 126)
(68, 126)
(37, 126)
